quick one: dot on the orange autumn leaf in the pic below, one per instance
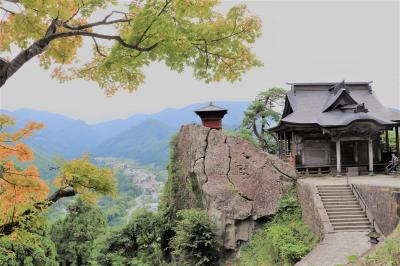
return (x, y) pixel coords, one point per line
(19, 188)
(23, 152)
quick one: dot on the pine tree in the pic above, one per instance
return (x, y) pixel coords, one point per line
(74, 235)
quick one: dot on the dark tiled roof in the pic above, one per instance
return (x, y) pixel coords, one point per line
(211, 108)
(311, 104)
(342, 93)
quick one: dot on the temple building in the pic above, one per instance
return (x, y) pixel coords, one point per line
(336, 128)
(211, 116)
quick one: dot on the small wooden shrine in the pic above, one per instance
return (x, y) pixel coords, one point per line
(211, 116)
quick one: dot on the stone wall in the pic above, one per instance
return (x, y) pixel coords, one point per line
(384, 205)
(313, 211)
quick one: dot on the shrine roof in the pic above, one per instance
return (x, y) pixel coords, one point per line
(332, 104)
(211, 108)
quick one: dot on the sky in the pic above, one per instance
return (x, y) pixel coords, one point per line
(302, 41)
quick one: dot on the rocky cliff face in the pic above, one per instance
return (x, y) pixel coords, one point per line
(237, 184)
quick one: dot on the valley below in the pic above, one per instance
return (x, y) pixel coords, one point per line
(139, 187)
(136, 148)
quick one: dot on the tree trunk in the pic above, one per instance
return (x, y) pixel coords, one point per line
(7, 69)
(61, 193)
(8, 228)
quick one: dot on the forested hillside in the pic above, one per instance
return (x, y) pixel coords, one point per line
(147, 142)
(141, 137)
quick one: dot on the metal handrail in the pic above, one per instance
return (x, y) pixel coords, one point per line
(393, 164)
(359, 196)
(354, 188)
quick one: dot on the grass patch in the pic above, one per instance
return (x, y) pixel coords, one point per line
(283, 241)
(386, 254)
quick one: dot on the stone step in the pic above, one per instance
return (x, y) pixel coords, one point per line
(355, 227)
(333, 188)
(348, 219)
(322, 186)
(338, 202)
(347, 216)
(342, 209)
(345, 212)
(351, 223)
(342, 206)
(338, 197)
(336, 193)
(366, 230)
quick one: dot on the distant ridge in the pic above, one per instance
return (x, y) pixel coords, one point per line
(135, 137)
(147, 142)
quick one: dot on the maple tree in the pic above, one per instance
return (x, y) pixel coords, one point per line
(23, 194)
(179, 33)
(19, 188)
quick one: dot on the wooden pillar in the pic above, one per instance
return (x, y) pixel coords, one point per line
(279, 146)
(338, 159)
(397, 140)
(379, 153)
(356, 152)
(293, 145)
(284, 144)
(387, 140)
(370, 157)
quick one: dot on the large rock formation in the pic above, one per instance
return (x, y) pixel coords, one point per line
(237, 184)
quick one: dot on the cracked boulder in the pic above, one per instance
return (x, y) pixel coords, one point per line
(237, 184)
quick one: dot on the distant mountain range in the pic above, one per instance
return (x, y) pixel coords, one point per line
(142, 137)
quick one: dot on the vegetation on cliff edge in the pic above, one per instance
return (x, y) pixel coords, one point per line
(388, 253)
(282, 241)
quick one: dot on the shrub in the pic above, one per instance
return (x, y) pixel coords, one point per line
(28, 247)
(388, 253)
(74, 236)
(136, 244)
(195, 241)
(283, 241)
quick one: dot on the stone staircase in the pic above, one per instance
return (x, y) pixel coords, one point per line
(343, 209)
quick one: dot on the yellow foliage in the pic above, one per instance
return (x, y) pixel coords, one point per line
(179, 33)
(86, 179)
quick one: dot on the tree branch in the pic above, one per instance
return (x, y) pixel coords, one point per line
(7, 228)
(255, 131)
(117, 38)
(98, 48)
(61, 193)
(153, 21)
(7, 10)
(94, 24)
(39, 46)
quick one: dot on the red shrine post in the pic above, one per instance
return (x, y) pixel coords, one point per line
(211, 116)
